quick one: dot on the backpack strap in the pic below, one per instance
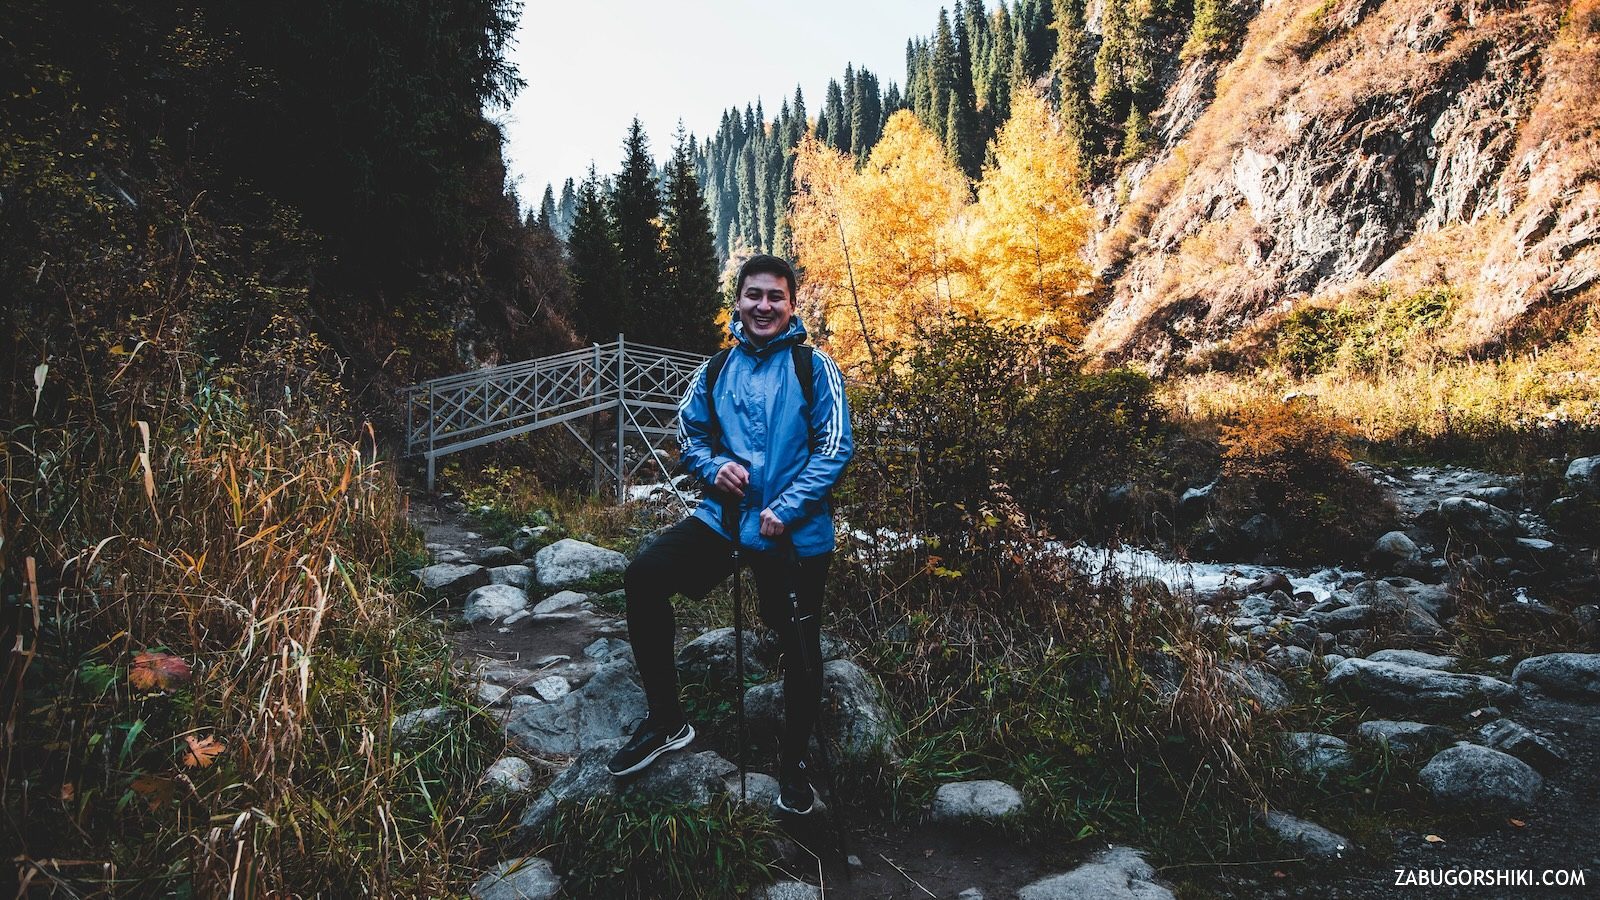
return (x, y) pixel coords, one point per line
(714, 372)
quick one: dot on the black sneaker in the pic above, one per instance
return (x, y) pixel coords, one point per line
(796, 795)
(646, 744)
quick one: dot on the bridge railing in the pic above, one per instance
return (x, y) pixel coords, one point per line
(641, 383)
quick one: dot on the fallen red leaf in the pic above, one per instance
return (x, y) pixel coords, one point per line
(202, 753)
(158, 672)
(156, 791)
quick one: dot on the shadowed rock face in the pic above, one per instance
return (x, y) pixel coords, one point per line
(1397, 686)
(1323, 156)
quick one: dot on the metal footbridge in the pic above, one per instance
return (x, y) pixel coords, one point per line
(639, 385)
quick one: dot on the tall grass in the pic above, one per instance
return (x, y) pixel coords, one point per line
(168, 515)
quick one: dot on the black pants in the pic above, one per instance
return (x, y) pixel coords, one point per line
(691, 559)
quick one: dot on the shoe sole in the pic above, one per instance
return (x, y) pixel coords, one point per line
(815, 799)
(678, 742)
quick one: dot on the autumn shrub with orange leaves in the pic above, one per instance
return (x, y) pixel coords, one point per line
(1293, 462)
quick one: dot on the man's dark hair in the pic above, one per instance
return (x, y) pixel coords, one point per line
(765, 264)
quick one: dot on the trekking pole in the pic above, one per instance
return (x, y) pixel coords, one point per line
(730, 521)
(806, 668)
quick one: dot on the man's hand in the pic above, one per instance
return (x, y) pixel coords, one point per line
(771, 525)
(732, 478)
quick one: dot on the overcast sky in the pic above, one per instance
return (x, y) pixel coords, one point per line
(592, 66)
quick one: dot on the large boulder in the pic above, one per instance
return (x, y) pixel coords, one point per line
(1415, 658)
(710, 657)
(1584, 474)
(530, 878)
(1509, 737)
(451, 579)
(1562, 674)
(1307, 838)
(1263, 690)
(1316, 755)
(570, 562)
(1115, 873)
(515, 575)
(968, 800)
(1404, 737)
(1480, 780)
(610, 703)
(1396, 546)
(1398, 609)
(1398, 686)
(694, 779)
(854, 713)
(494, 601)
(1475, 519)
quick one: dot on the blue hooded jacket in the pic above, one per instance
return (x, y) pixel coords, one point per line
(761, 411)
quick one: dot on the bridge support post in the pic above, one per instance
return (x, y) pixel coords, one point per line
(594, 421)
(622, 410)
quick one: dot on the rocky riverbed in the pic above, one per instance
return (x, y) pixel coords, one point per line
(1504, 744)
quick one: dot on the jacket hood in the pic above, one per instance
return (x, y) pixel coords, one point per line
(794, 334)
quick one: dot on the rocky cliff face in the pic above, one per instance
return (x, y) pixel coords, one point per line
(1414, 142)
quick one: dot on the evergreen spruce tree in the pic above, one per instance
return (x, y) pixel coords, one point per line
(1072, 70)
(546, 219)
(636, 217)
(566, 209)
(691, 258)
(1135, 135)
(837, 135)
(943, 68)
(1217, 27)
(847, 103)
(594, 266)
(866, 114)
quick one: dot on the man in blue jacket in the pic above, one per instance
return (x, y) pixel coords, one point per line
(770, 450)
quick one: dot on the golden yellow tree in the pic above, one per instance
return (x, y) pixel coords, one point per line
(1025, 244)
(877, 244)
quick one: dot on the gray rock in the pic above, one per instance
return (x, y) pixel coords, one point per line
(551, 688)
(1265, 690)
(854, 713)
(1480, 780)
(419, 725)
(1404, 737)
(491, 694)
(1331, 661)
(1477, 519)
(517, 576)
(1415, 658)
(509, 775)
(570, 562)
(1561, 674)
(491, 557)
(1286, 658)
(1584, 474)
(1116, 873)
(986, 800)
(1397, 608)
(760, 788)
(558, 602)
(694, 779)
(1509, 737)
(600, 649)
(711, 656)
(1396, 546)
(530, 878)
(494, 601)
(1195, 500)
(452, 579)
(1257, 606)
(450, 555)
(790, 890)
(1317, 755)
(1397, 686)
(970, 893)
(515, 617)
(1344, 618)
(1307, 838)
(609, 704)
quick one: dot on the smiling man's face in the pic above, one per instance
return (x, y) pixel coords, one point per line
(765, 306)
